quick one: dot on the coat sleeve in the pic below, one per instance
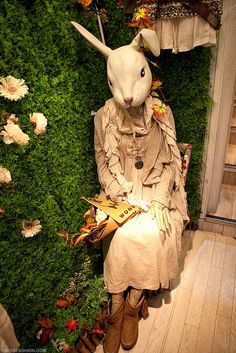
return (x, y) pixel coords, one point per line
(162, 191)
(109, 184)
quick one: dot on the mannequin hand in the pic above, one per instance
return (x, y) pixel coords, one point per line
(162, 215)
(119, 197)
(137, 201)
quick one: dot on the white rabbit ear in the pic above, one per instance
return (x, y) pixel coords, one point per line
(106, 51)
(150, 38)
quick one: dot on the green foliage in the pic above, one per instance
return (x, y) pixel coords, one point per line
(66, 78)
(186, 81)
(39, 44)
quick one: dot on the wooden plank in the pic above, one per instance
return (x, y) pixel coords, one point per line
(207, 226)
(225, 204)
(234, 209)
(232, 137)
(99, 349)
(188, 340)
(232, 346)
(189, 275)
(145, 326)
(209, 312)
(187, 243)
(230, 231)
(212, 227)
(198, 293)
(219, 251)
(176, 327)
(222, 335)
(231, 154)
(162, 321)
(229, 178)
(228, 280)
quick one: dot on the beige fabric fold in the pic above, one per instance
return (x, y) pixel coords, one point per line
(183, 34)
(8, 338)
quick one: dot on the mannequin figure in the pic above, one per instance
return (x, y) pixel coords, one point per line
(137, 158)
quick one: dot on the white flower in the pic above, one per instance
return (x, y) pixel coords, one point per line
(5, 176)
(100, 216)
(40, 123)
(13, 133)
(13, 88)
(30, 228)
(12, 118)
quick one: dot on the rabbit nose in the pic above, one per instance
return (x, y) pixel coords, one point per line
(128, 100)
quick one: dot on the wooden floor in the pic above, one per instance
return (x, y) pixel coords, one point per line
(227, 202)
(199, 314)
(231, 155)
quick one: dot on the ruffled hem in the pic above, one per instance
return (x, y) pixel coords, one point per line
(184, 34)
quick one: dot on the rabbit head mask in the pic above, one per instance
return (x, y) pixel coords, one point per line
(128, 73)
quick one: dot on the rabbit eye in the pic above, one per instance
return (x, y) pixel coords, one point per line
(142, 73)
(109, 82)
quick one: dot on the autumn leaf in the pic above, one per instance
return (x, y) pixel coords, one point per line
(63, 234)
(98, 331)
(141, 15)
(69, 300)
(45, 322)
(71, 325)
(156, 84)
(159, 109)
(63, 303)
(45, 335)
(47, 330)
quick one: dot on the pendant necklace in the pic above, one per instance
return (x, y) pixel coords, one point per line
(139, 163)
(138, 160)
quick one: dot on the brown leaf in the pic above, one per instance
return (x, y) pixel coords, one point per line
(2, 210)
(46, 335)
(63, 303)
(45, 322)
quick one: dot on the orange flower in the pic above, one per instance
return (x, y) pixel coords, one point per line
(85, 3)
(156, 84)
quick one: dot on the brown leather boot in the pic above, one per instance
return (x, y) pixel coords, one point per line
(111, 342)
(129, 332)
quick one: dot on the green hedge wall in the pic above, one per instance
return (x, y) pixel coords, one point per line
(66, 78)
(39, 44)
